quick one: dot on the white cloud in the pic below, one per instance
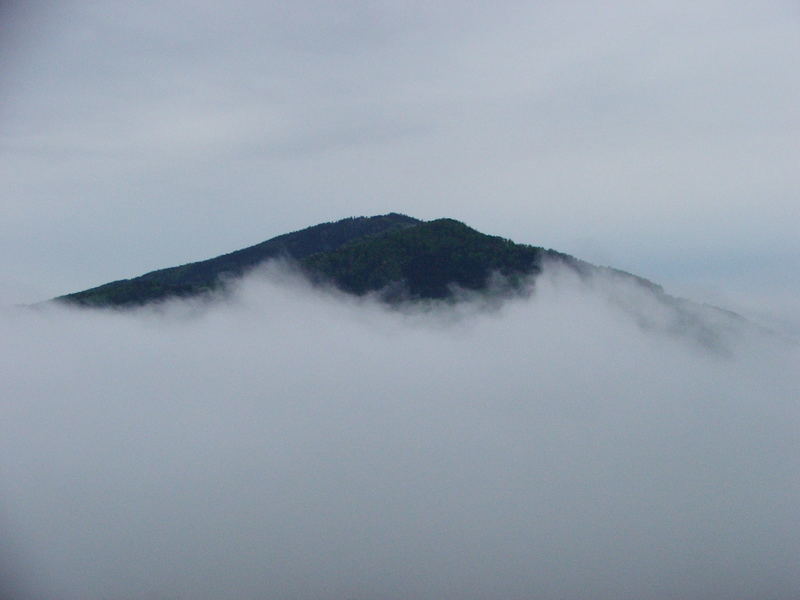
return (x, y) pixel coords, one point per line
(290, 442)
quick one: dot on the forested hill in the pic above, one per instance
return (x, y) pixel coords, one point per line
(200, 277)
(402, 257)
(427, 261)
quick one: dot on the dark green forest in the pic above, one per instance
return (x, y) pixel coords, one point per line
(201, 277)
(425, 261)
(399, 257)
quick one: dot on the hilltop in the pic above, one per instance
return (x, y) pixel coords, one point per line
(401, 259)
(397, 255)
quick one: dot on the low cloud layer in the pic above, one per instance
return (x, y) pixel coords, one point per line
(288, 442)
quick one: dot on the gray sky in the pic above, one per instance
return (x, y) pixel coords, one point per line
(659, 137)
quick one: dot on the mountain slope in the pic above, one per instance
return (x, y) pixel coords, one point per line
(404, 259)
(397, 254)
(200, 277)
(401, 257)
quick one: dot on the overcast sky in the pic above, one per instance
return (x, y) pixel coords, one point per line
(659, 137)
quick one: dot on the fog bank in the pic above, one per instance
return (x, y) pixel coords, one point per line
(290, 442)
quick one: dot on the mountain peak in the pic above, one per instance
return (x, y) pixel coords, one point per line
(395, 255)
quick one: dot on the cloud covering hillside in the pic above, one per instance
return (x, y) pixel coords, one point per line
(291, 442)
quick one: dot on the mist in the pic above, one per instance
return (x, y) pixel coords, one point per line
(288, 441)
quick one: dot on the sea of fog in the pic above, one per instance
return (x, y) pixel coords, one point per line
(290, 442)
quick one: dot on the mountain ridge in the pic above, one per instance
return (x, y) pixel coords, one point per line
(394, 255)
(200, 277)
